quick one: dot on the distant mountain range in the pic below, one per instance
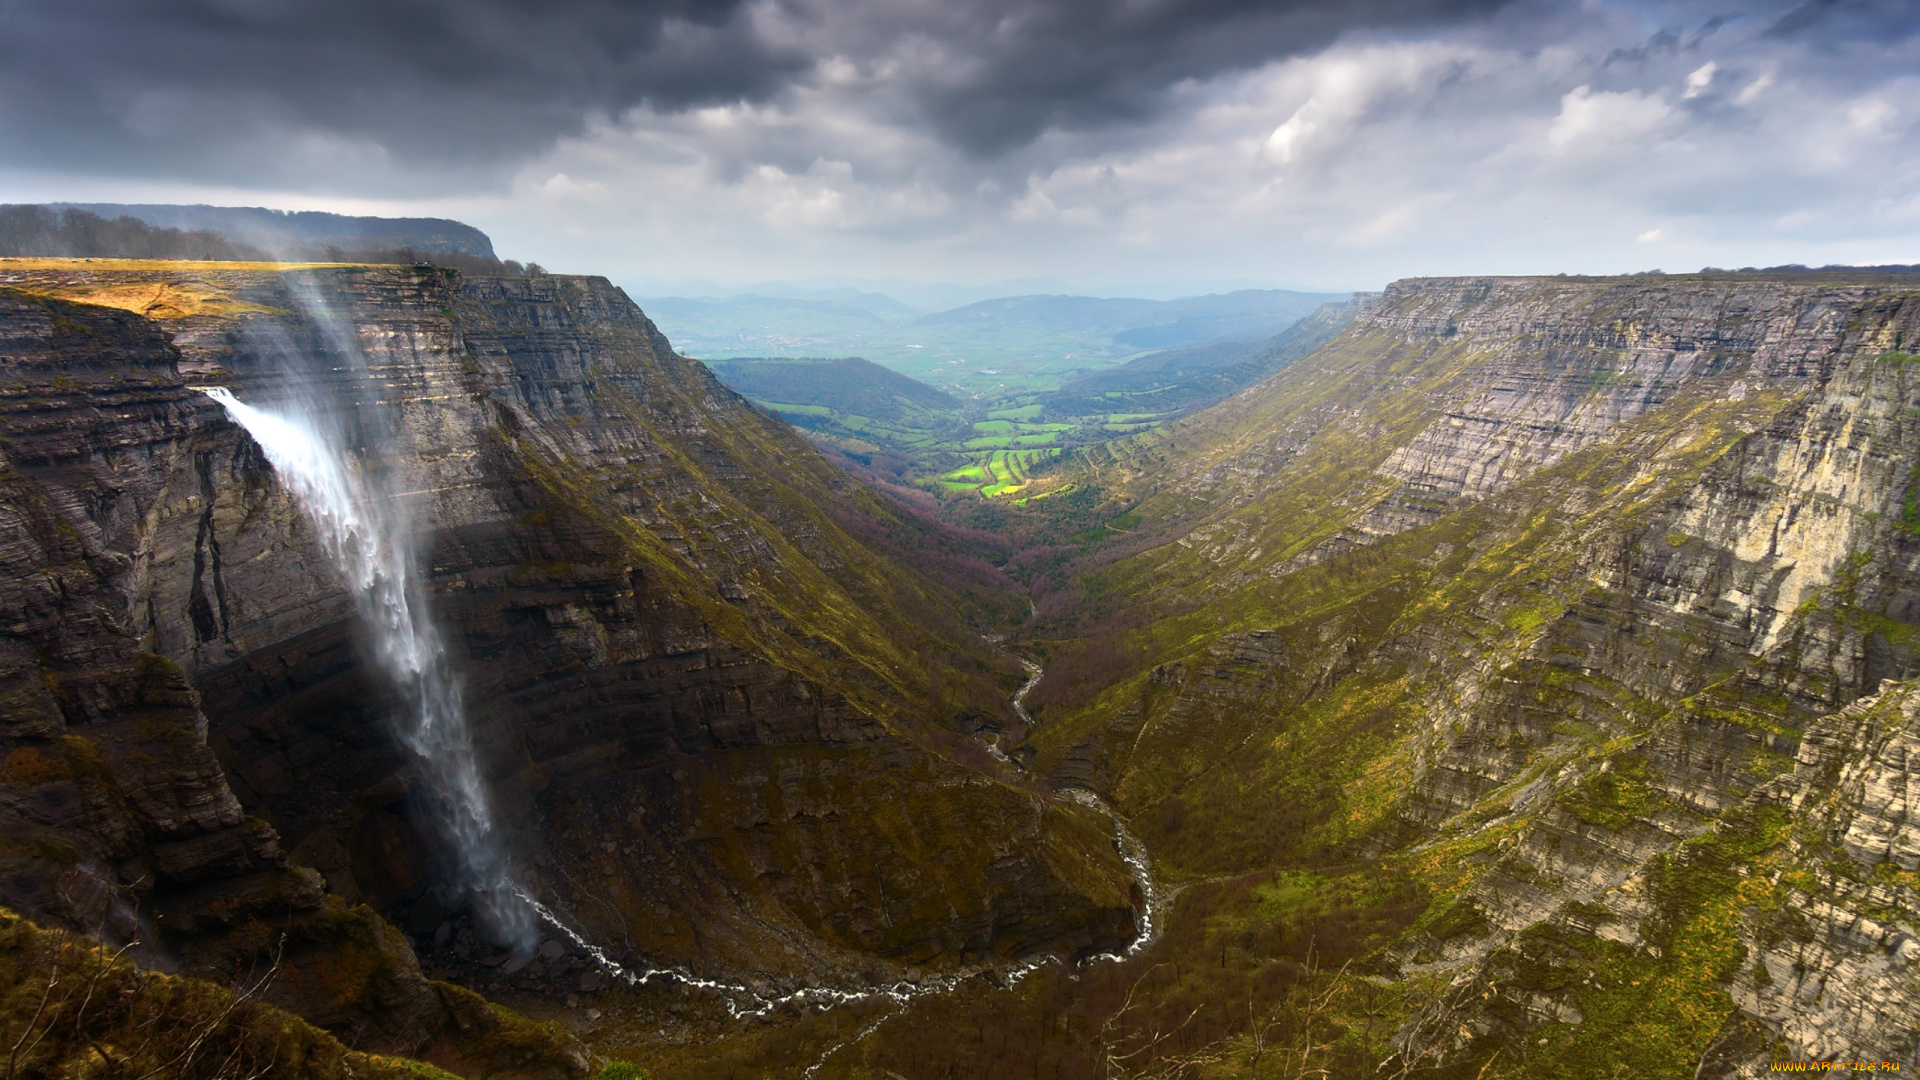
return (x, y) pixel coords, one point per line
(1174, 381)
(46, 232)
(885, 305)
(1133, 324)
(146, 231)
(991, 350)
(304, 233)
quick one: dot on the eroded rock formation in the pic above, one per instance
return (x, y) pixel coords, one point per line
(717, 726)
(1555, 596)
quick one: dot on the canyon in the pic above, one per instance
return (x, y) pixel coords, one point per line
(670, 643)
(1519, 684)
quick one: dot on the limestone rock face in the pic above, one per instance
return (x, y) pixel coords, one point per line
(1570, 593)
(121, 823)
(109, 739)
(1456, 388)
(718, 728)
(1836, 964)
(1739, 603)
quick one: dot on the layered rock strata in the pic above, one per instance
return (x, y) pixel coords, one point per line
(717, 726)
(1530, 589)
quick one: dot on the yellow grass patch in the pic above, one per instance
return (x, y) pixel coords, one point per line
(160, 289)
(148, 265)
(162, 300)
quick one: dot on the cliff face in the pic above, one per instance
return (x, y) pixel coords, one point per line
(1563, 602)
(1833, 966)
(722, 731)
(120, 821)
(1542, 647)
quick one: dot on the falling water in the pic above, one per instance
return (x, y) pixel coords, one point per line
(368, 539)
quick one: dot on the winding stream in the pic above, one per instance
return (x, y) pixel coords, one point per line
(1034, 672)
(745, 1003)
(1134, 854)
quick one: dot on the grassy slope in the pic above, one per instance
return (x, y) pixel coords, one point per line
(837, 612)
(1292, 782)
(1330, 745)
(71, 1008)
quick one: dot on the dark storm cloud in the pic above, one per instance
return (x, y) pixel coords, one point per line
(280, 92)
(1848, 19)
(97, 84)
(1023, 67)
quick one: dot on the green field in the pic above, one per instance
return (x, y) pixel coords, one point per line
(996, 472)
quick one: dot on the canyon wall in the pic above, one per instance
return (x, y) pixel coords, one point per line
(722, 733)
(1586, 608)
(1537, 655)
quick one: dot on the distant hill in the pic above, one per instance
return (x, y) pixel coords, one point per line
(977, 398)
(303, 234)
(1035, 339)
(46, 232)
(856, 407)
(878, 303)
(1174, 381)
(1053, 314)
(747, 326)
(850, 385)
(1134, 325)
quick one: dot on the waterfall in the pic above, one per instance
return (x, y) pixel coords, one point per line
(368, 538)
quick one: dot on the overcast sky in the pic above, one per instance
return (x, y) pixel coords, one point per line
(1137, 146)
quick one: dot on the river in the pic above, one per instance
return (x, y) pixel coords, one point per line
(745, 1003)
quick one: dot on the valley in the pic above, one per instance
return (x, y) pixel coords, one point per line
(1489, 677)
(998, 350)
(924, 421)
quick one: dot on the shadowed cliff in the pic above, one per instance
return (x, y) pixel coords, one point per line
(726, 733)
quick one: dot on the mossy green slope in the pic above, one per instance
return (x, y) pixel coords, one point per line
(718, 499)
(71, 1008)
(1515, 679)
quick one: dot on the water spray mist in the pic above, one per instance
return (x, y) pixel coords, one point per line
(369, 541)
